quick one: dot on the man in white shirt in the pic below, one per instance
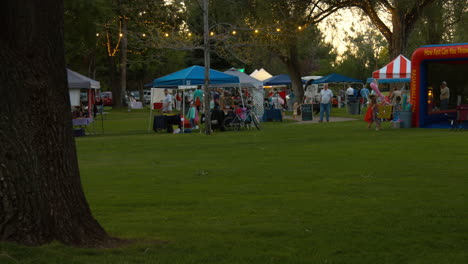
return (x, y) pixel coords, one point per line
(167, 102)
(349, 93)
(325, 102)
(444, 96)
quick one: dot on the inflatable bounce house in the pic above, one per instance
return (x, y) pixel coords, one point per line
(439, 84)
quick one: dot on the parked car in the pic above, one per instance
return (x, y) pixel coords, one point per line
(135, 95)
(147, 96)
(107, 98)
(83, 98)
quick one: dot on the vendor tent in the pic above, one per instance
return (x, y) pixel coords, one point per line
(247, 81)
(76, 82)
(261, 74)
(194, 75)
(244, 79)
(188, 78)
(399, 68)
(336, 78)
(282, 79)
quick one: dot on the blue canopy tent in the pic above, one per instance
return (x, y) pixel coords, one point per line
(194, 75)
(282, 79)
(191, 76)
(336, 78)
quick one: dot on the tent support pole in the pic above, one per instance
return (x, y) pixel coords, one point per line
(242, 98)
(183, 112)
(151, 111)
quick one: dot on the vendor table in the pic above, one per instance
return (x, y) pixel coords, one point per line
(272, 115)
(136, 105)
(82, 121)
(80, 125)
(166, 122)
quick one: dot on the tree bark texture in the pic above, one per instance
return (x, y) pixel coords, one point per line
(113, 81)
(41, 197)
(294, 70)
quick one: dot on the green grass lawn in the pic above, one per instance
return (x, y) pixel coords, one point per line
(290, 193)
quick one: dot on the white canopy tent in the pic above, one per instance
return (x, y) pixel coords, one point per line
(78, 81)
(246, 81)
(261, 74)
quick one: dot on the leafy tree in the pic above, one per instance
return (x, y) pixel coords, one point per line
(283, 31)
(41, 193)
(365, 52)
(445, 21)
(403, 15)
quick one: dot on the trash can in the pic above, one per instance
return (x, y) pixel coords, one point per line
(306, 111)
(353, 105)
(396, 124)
(405, 119)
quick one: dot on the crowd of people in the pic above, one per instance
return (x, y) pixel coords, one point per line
(230, 100)
(224, 100)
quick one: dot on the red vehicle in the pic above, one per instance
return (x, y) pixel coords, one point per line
(107, 98)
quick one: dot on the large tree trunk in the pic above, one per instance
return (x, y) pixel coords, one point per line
(400, 37)
(113, 81)
(41, 197)
(294, 70)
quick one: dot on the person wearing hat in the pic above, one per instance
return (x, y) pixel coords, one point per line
(444, 96)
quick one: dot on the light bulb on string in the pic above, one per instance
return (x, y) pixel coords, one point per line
(234, 32)
(120, 35)
(256, 31)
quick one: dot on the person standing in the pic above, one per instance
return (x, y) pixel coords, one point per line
(349, 94)
(325, 102)
(365, 96)
(396, 93)
(192, 114)
(198, 98)
(372, 113)
(178, 101)
(444, 96)
(167, 102)
(342, 97)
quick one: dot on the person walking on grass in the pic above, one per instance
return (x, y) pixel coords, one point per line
(325, 102)
(372, 112)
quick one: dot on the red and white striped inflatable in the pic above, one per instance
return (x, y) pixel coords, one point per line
(400, 67)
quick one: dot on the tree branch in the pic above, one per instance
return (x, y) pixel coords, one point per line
(415, 13)
(368, 8)
(387, 5)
